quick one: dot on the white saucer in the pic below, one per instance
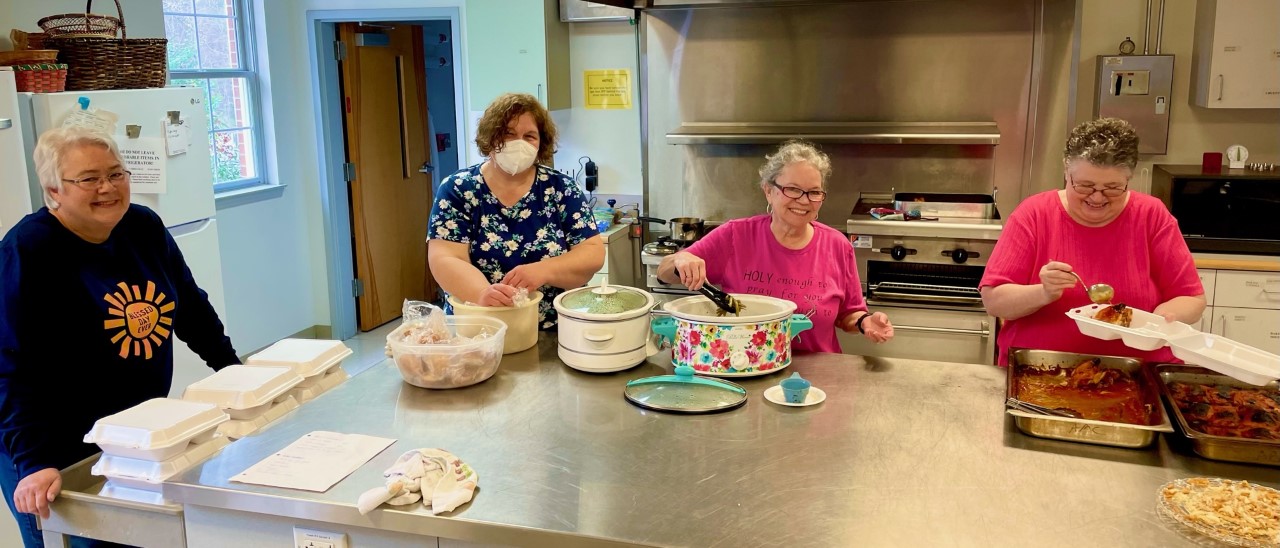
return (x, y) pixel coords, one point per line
(774, 394)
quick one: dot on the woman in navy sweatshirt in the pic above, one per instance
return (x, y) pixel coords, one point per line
(92, 292)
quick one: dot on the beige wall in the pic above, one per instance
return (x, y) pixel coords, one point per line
(1193, 130)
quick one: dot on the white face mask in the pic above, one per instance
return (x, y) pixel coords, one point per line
(515, 156)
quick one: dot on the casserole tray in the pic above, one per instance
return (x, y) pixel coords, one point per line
(1114, 434)
(1216, 447)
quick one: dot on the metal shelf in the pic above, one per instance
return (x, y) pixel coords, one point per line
(886, 133)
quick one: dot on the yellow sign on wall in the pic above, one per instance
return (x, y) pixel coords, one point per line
(607, 89)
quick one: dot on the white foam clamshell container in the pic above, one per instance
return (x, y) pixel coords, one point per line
(239, 428)
(120, 492)
(157, 429)
(149, 475)
(1242, 362)
(308, 357)
(244, 392)
(324, 384)
(1146, 332)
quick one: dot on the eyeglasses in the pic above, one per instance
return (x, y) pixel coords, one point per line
(795, 192)
(1087, 189)
(94, 183)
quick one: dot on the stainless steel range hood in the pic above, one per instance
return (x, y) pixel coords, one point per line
(875, 133)
(687, 4)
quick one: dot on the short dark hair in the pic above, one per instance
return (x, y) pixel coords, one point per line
(492, 128)
(1105, 142)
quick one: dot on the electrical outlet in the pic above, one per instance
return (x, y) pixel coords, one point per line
(311, 538)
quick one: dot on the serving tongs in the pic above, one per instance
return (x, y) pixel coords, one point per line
(727, 303)
(1041, 410)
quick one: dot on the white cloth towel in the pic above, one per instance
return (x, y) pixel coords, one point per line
(436, 477)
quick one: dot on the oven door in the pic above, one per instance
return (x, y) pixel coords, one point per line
(937, 333)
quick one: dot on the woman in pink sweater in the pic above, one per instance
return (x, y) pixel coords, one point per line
(1111, 234)
(786, 253)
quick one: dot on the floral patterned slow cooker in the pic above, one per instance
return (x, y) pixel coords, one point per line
(757, 342)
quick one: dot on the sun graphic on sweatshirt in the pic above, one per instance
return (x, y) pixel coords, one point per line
(142, 319)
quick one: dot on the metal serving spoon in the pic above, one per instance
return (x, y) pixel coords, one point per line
(1098, 293)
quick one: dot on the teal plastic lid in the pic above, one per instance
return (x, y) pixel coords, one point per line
(685, 392)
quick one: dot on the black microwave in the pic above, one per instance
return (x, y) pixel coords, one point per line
(1235, 211)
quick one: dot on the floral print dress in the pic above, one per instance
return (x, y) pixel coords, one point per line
(548, 221)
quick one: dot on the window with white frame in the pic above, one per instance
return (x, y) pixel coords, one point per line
(211, 47)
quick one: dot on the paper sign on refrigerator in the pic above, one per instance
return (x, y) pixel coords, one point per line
(145, 157)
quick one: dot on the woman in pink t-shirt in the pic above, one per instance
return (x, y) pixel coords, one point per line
(787, 254)
(1113, 235)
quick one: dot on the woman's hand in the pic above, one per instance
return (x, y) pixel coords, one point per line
(36, 491)
(691, 268)
(527, 276)
(498, 295)
(1056, 277)
(877, 328)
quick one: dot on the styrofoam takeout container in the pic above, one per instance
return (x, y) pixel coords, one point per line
(244, 392)
(239, 428)
(120, 492)
(1238, 361)
(308, 357)
(157, 429)
(1147, 331)
(324, 384)
(149, 475)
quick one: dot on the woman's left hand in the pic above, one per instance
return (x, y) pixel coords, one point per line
(877, 328)
(527, 276)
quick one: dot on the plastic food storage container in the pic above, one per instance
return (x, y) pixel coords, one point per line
(522, 321)
(236, 429)
(157, 429)
(320, 384)
(450, 365)
(308, 357)
(244, 392)
(148, 475)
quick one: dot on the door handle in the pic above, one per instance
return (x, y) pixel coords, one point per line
(1221, 82)
(426, 168)
(985, 331)
(6, 123)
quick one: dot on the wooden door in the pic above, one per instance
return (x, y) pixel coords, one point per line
(385, 99)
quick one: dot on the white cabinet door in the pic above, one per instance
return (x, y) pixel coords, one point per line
(1208, 278)
(1257, 328)
(1247, 289)
(1236, 60)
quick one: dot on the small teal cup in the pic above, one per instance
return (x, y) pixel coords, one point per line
(795, 389)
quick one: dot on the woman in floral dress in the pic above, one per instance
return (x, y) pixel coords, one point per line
(511, 223)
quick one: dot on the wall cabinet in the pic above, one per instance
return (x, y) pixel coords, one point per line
(518, 47)
(1244, 306)
(1236, 60)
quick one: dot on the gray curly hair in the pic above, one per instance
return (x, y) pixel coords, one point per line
(1105, 142)
(54, 144)
(791, 152)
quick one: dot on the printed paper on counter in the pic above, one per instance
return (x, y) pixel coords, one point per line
(607, 89)
(315, 462)
(145, 157)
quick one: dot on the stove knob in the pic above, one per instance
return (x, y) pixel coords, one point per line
(898, 253)
(960, 255)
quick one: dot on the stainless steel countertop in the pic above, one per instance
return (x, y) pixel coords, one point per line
(902, 452)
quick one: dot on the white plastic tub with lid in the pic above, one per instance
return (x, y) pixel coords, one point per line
(244, 392)
(157, 429)
(149, 475)
(522, 321)
(308, 357)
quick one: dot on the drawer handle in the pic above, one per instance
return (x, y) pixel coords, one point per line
(984, 332)
(1224, 325)
(1267, 285)
(6, 123)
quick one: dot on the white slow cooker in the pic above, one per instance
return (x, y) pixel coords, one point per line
(603, 329)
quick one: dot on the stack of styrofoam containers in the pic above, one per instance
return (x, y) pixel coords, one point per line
(315, 360)
(253, 396)
(153, 441)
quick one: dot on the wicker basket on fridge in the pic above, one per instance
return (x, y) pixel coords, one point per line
(98, 62)
(41, 78)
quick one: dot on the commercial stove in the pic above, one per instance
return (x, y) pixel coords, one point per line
(922, 269)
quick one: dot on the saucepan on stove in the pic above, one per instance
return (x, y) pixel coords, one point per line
(684, 230)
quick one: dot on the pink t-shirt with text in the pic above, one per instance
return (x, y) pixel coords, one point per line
(1141, 254)
(743, 256)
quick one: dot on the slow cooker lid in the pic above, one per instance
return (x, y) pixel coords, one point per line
(611, 299)
(684, 392)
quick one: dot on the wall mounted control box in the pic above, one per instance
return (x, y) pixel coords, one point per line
(1137, 89)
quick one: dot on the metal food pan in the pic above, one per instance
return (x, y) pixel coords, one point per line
(1217, 447)
(83, 510)
(1114, 434)
(975, 206)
